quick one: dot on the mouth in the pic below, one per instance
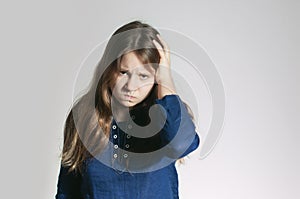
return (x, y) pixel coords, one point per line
(129, 96)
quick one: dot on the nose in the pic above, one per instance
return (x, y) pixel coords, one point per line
(132, 83)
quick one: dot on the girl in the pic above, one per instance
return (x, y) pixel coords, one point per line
(124, 135)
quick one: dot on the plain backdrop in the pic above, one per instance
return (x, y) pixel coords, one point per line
(254, 44)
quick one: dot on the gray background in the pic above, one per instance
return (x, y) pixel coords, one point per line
(254, 44)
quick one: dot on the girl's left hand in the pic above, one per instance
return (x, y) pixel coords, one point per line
(163, 74)
(164, 51)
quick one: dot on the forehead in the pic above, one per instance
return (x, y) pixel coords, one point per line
(131, 61)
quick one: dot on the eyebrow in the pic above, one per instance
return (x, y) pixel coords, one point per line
(123, 66)
(144, 69)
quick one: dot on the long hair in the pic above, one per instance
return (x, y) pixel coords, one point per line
(87, 126)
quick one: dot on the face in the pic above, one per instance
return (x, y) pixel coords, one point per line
(134, 81)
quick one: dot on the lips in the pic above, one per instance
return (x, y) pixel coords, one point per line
(130, 96)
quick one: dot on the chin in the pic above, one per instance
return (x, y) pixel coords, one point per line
(128, 104)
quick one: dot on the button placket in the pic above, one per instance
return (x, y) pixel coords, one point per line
(121, 143)
(125, 144)
(115, 141)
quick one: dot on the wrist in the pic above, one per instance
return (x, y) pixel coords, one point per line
(164, 90)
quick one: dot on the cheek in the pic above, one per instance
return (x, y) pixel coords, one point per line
(120, 82)
(150, 83)
(147, 88)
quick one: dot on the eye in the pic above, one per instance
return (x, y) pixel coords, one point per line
(144, 76)
(123, 72)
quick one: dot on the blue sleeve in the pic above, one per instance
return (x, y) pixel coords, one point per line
(68, 186)
(179, 133)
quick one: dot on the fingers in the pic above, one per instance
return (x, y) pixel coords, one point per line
(165, 46)
(157, 45)
(163, 50)
(159, 48)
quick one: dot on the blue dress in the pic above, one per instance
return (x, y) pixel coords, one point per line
(135, 167)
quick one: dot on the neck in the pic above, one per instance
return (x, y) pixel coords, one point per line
(120, 112)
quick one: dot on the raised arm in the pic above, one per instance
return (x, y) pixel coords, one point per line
(179, 133)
